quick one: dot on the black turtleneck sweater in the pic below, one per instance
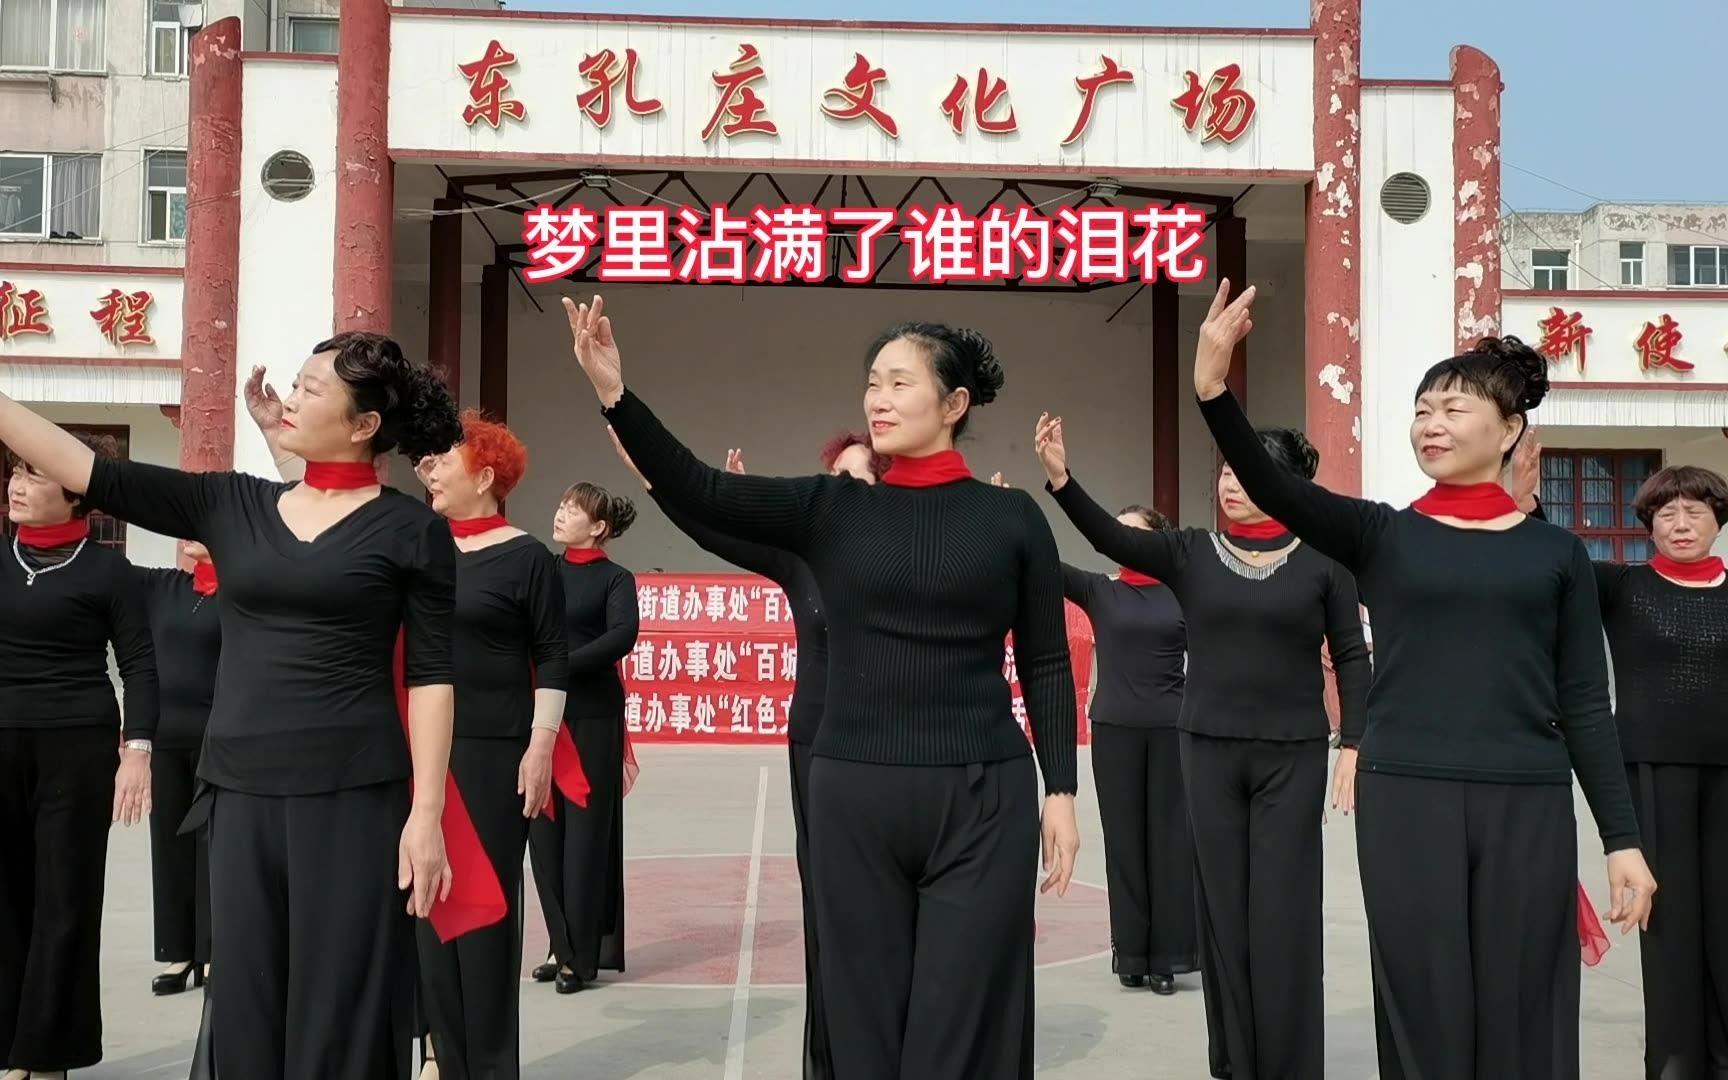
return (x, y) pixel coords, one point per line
(1254, 634)
(922, 587)
(1670, 649)
(809, 624)
(1488, 660)
(54, 638)
(601, 621)
(187, 632)
(1142, 647)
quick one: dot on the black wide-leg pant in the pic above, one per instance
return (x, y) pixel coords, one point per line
(471, 988)
(578, 857)
(924, 881)
(313, 945)
(1148, 850)
(1683, 820)
(818, 1061)
(179, 865)
(1471, 893)
(1256, 807)
(56, 805)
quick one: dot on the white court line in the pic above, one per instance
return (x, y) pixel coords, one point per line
(747, 939)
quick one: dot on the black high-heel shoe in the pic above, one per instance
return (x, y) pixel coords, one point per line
(175, 983)
(545, 972)
(1162, 984)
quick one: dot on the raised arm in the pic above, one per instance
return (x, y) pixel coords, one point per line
(779, 511)
(266, 412)
(50, 449)
(1352, 667)
(1162, 553)
(773, 563)
(1339, 526)
(163, 500)
(623, 624)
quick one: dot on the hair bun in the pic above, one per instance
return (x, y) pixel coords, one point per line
(987, 378)
(1531, 368)
(1291, 449)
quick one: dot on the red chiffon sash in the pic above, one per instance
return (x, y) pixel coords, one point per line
(476, 898)
(567, 774)
(1592, 939)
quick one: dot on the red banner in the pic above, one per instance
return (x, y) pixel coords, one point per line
(717, 658)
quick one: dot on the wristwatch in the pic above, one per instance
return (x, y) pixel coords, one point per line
(140, 744)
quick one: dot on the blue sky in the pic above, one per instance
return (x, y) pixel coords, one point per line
(1613, 100)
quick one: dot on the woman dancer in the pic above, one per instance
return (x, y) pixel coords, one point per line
(510, 668)
(1490, 691)
(846, 453)
(1667, 624)
(188, 640)
(923, 808)
(63, 600)
(316, 830)
(1137, 765)
(578, 853)
(1258, 605)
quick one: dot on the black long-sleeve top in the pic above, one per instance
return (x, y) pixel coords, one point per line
(809, 623)
(1488, 661)
(187, 633)
(1142, 648)
(601, 621)
(922, 586)
(509, 636)
(1254, 633)
(1670, 648)
(54, 638)
(305, 692)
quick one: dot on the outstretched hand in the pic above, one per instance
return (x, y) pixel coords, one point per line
(1052, 454)
(1227, 323)
(596, 349)
(1527, 471)
(262, 403)
(735, 461)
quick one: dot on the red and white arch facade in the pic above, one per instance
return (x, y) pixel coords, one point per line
(1170, 109)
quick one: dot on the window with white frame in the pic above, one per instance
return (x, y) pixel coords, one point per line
(1632, 262)
(53, 35)
(169, 41)
(164, 196)
(1696, 264)
(312, 35)
(1548, 268)
(50, 196)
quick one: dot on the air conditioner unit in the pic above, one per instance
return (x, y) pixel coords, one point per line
(192, 16)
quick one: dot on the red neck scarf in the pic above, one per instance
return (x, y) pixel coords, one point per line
(1709, 568)
(341, 475)
(1135, 577)
(204, 579)
(583, 556)
(942, 467)
(53, 536)
(1470, 502)
(476, 526)
(1260, 530)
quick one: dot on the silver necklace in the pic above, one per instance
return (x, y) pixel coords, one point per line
(31, 575)
(1242, 567)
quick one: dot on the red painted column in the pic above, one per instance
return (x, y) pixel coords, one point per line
(1332, 252)
(444, 294)
(365, 179)
(495, 341)
(211, 284)
(1166, 405)
(1476, 90)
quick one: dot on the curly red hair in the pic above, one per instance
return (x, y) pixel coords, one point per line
(489, 444)
(845, 440)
